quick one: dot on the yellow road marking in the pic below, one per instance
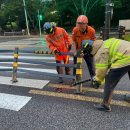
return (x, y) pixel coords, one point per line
(122, 92)
(77, 97)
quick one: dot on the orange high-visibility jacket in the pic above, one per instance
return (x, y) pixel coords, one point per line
(78, 36)
(60, 41)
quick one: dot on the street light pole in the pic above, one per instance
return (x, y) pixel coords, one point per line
(39, 21)
(107, 19)
(26, 17)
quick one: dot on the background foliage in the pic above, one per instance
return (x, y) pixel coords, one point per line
(63, 12)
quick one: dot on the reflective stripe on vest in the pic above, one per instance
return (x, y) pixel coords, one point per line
(112, 45)
(101, 66)
(121, 60)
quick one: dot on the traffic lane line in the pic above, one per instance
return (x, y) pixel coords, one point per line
(120, 92)
(77, 97)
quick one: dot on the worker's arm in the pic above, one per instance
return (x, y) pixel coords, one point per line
(102, 65)
(74, 48)
(50, 45)
(67, 39)
(74, 42)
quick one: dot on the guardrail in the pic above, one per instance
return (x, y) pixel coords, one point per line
(76, 76)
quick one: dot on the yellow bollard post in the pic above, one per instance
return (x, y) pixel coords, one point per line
(79, 75)
(15, 65)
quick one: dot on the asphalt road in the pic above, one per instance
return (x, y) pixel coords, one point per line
(50, 110)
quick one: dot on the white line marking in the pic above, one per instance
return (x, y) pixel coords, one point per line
(29, 83)
(34, 69)
(41, 70)
(5, 67)
(13, 102)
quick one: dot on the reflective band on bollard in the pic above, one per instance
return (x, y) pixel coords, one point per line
(15, 65)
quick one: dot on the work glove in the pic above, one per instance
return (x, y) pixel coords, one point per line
(69, 48)
(95, 84)
(56, 52)
(81, 54)
(87, 46)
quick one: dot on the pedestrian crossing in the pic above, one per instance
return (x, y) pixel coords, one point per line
(30, 83)
(39, 84)
(16, 102)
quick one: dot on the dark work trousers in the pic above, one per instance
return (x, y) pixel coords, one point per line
(112, 79)
(90, 63)
(60, 69)
(129, 74)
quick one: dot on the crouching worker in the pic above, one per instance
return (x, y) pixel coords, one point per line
(58, 41)
(112, 60)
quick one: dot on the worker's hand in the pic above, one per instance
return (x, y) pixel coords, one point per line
(81, 54)
(95, 84)
(56, 52)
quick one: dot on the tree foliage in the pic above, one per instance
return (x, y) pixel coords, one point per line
(64, 12)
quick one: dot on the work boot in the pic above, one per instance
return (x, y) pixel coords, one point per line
(103, 107)
(60, 80)
(127, 97)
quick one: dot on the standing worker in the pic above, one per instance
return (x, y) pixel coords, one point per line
(58, 41)
(84, 32)
(112, 59)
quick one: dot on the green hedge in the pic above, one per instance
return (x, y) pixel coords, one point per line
(127, 37)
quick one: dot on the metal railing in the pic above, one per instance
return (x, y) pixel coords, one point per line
(77, 76)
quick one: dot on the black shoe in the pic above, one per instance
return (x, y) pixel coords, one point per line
(127, 98)
(60, 80)
(102, 107)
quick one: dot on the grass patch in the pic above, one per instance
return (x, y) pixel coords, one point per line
(127, 37)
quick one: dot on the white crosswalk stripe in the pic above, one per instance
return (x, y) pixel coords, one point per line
(13, 102)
